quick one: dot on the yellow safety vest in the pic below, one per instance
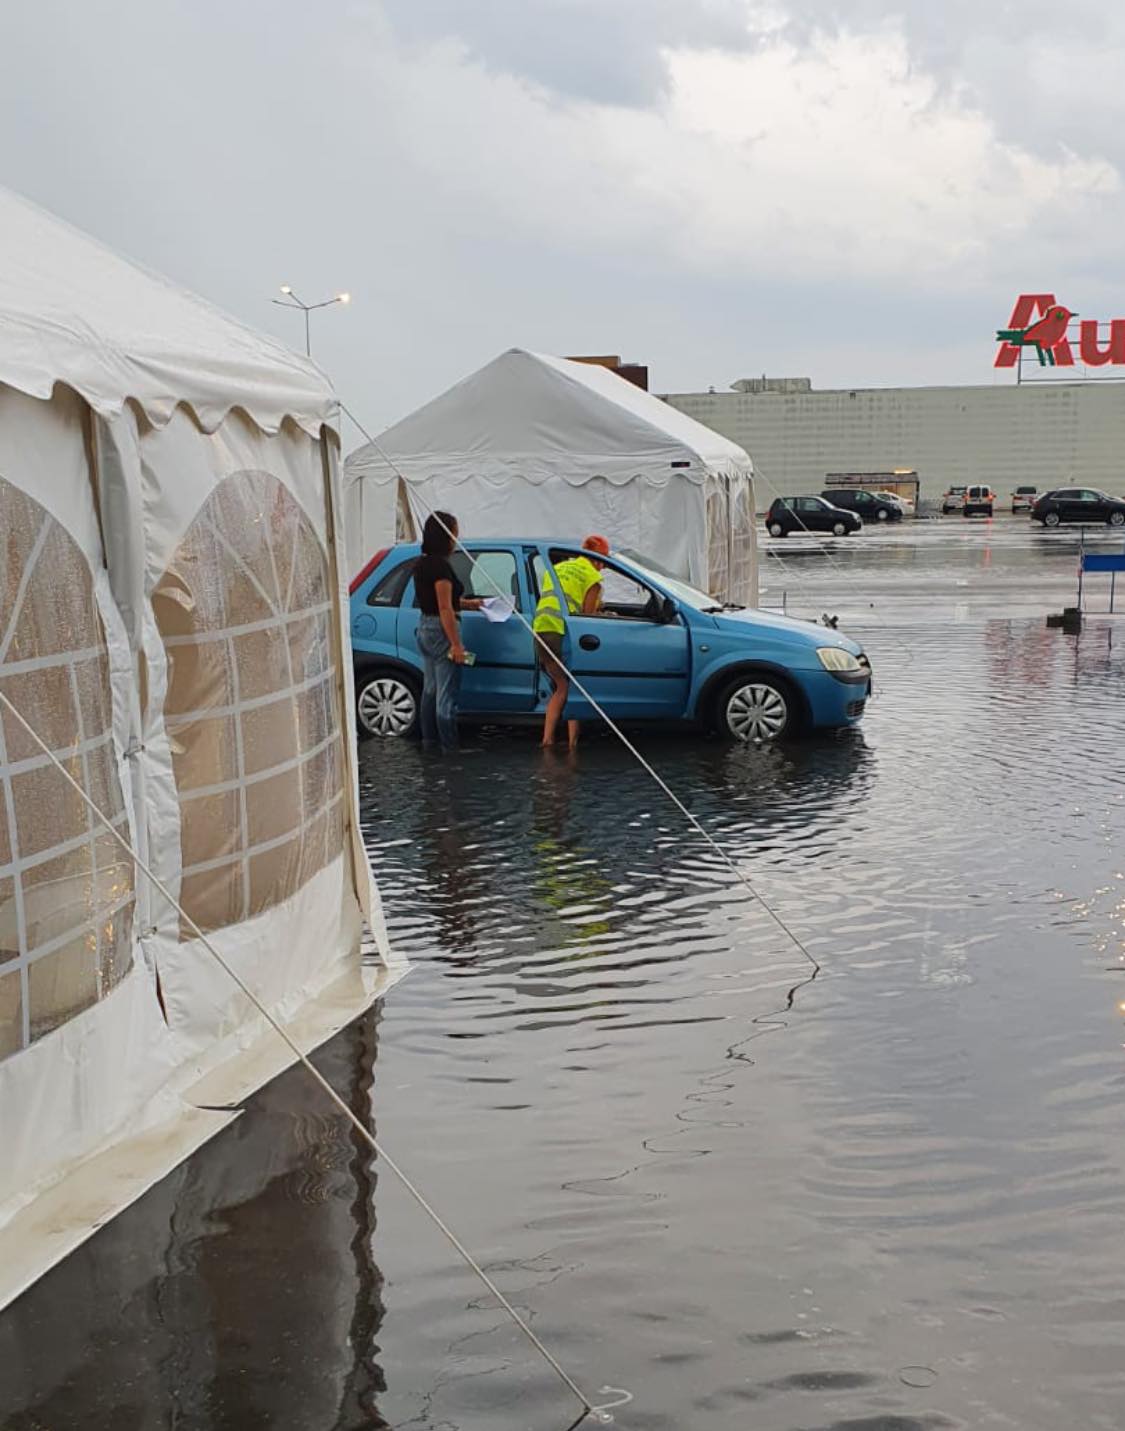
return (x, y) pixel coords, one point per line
(577, 576)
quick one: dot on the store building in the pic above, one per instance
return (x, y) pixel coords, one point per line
(1048, 433)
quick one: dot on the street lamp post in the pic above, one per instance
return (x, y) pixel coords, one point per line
(292, 301)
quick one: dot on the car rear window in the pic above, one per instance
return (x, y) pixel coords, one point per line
(388, 590)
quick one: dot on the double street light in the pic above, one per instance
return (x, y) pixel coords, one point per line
(292, 301)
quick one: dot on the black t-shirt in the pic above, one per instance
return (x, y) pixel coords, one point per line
(431, 569)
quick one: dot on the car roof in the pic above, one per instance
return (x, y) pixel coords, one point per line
(408, 548)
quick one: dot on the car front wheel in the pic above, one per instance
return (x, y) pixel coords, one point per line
(839, 530)
(1051, 519)
(386, 704)
(756, 708)
(1117, 519)
(882, 514)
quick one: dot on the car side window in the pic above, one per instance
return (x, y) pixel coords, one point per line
(388, 590)
(622, 595)
(1091, 496)
(810, 504)
(488, 573)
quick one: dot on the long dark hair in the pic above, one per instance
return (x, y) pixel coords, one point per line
(437, 534)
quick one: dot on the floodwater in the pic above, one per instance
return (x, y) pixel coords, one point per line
(889, 1198)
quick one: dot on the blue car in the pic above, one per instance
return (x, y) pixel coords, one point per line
(657, 651)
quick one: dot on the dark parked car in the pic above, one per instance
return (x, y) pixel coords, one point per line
(864, 504)
(1078, 504)
(810, 514)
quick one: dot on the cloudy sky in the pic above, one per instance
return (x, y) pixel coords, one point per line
(720, 188)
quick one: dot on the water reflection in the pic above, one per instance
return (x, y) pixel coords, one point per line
(240, 1293)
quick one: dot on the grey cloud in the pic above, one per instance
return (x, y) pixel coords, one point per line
(602, 50)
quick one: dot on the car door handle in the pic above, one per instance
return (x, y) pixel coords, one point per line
(589, 643)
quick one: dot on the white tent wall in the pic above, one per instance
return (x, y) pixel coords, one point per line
(369, 517)
(84, 1042)
(203, 647)
(668, 522)
(236, 545)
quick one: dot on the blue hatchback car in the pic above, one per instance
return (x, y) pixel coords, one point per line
(659, 650)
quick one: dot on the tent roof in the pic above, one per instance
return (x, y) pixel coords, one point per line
(536, 417)
(72, 311)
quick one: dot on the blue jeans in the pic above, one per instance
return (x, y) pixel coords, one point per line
(441, 683)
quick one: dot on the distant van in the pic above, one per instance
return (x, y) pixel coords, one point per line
(979, 500)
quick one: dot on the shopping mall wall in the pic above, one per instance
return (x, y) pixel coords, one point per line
(1049, 434)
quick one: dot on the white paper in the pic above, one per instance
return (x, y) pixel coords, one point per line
(498, 608)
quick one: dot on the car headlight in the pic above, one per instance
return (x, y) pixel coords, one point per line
(835, 658)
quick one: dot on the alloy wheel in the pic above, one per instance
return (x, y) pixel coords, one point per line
(386, 706)
(756, 711)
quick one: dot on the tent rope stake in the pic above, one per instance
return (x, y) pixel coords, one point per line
(600, 1412)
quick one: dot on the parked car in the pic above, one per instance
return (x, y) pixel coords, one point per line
(904, 502)
(979, 500)
(659, 650)
(810, 514)
(953, 500)
(868, 505)
(1024, 498)
(1078, 504)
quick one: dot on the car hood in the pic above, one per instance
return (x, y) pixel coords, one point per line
(809, 633)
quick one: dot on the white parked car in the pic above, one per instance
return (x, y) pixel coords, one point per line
(1024, 498)
(904, 502)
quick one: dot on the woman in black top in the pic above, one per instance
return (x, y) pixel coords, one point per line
(439, 595)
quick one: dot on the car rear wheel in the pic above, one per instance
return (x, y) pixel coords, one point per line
(756, 708)
(1117, 519)
(1051, 519)
(776, 529)
(839, 530)
(386, 703)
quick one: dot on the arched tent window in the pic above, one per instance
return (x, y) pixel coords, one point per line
(245, 613)
(66, 888)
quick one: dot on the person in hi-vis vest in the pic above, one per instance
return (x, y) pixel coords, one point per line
(581, 581)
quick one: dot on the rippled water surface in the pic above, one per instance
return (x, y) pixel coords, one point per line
(889, 1198)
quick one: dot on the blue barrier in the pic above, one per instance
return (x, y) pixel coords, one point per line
(1112, 562)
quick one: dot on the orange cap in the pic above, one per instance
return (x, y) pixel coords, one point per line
(596, 544)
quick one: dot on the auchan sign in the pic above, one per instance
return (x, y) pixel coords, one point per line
(1044, 326)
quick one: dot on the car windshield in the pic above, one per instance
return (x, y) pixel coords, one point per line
(681, 590)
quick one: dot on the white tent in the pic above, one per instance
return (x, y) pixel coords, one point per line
(172, 624)
(532, 445)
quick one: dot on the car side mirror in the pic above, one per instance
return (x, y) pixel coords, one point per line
(668, 611)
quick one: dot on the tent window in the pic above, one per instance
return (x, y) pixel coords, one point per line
(245, 613)
(66, 890)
